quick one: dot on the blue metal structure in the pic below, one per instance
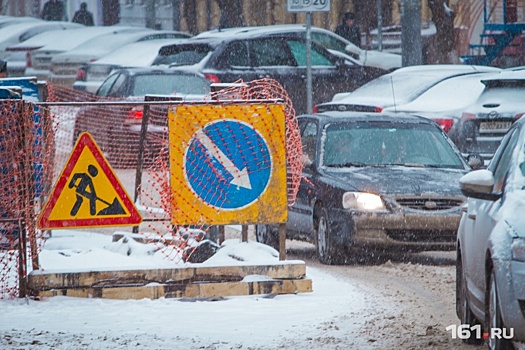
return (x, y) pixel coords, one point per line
(503, 24)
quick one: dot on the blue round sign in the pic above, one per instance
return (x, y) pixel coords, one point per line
(228, 164)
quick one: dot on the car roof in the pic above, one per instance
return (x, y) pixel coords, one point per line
(277, 28)
(338, 116)
(127, 55)
(506, 75)
(71, 39)
(152, 70)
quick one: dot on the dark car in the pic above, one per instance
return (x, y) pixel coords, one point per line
(376, 181)
(483, 124)
(116, 129)
(255, 55)
(490, 264)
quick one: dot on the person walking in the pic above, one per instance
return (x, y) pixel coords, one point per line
(83, 16)
(349, 30)
(53, 11)
(3, 69)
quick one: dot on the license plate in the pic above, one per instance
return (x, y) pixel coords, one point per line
(494, 126)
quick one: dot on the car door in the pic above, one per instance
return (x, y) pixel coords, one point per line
(233, 63)
(330, 74)
(482, 215)
(300, 214)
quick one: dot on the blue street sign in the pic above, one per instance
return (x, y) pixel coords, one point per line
(228, 164)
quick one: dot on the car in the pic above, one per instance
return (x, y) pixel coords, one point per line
(38, 58)
(323, 37)
(90, 76)
(490, 261)
(256, 55)
(64, 66)
(391, 37)
(398, 87)
(374, 181)
(117, 129)
(446, 100)
(484, 123)
(17, 33)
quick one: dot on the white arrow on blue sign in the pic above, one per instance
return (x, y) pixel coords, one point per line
(228, 164)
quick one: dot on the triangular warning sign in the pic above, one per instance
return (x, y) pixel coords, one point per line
(88, 193)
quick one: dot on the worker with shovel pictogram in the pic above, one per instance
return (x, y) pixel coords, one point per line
(86, 190)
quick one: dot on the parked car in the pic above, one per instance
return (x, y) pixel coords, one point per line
(90, 76)
(371, 180)
(391, 37)
(490, 264)
(10, 20)
(116, 129)
(35, 53)
(323, 37)
(64, 66)
(483, 124)
(17, 33)
(446, 100)
(280, 56)
(398, 87)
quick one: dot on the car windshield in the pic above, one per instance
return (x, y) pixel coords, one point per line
(387, 144)
(182, 55)
(170, 84)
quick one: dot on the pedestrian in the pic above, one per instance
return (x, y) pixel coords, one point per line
(53, 11)
(3, 69)
(83, 16)
(349, 30)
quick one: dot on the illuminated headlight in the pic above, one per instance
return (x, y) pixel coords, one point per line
(362, 201)
(518, 249)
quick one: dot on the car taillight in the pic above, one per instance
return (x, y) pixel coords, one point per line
(212, 78)
(315, 109)
(29, 62)
(134, 115)
(81, 74)
(518, 116)
(378, 109)
(446, 124)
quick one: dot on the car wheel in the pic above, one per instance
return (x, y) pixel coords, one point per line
(267, 234)
(326, 253)
(463, 306)
(494, 317)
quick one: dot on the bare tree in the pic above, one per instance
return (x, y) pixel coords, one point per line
(438, 48)
(231, 13)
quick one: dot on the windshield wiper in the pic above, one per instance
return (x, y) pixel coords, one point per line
(347, 165)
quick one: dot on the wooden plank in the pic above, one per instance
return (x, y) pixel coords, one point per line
(40, 280)
(195, 290)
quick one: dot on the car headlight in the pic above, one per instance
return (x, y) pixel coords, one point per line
(362, 201)
(518, 249)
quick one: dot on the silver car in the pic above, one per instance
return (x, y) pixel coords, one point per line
(490, 283)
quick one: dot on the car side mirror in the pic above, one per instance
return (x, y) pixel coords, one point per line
(478, 184)
(475, 161)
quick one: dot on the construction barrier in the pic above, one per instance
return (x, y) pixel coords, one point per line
(138, 153)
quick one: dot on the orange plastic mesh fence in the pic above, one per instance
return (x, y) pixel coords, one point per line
(116, 130)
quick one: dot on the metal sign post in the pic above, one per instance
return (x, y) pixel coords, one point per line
(308, 6)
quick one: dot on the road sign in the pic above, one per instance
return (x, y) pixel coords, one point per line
(228, 164)
(308, 5)
(88, 193)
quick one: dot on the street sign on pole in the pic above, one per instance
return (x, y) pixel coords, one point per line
(308, 5)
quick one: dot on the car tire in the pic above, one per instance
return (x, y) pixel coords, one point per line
(494, 320)
(463, 306)
(326, 253)
(267, 234)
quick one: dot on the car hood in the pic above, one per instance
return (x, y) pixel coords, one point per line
(400, 180)
(384, 60)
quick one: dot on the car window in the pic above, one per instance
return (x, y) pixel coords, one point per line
(309, 139)
(272, 52)
(181, 55)
(117, 90)
(169, 84)
(380, 144)
(500, 165)
(328, 41)
(106, 85)
(236, 55)
(298, 49)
